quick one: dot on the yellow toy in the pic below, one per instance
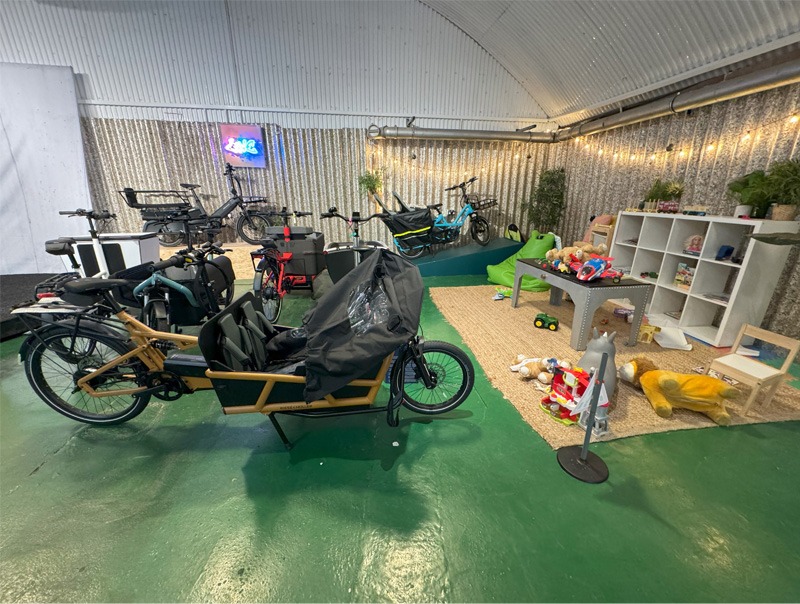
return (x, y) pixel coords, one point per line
(646, 333)
(588, 249)
(667, 389)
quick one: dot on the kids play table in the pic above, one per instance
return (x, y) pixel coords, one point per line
(588, 296)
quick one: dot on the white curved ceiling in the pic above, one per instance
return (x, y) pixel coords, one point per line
(579, 58)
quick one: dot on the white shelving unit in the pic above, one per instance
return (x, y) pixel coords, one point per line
(654, 243)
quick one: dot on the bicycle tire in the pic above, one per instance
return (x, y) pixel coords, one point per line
(94, 350)
(166, 237)
(410, 253)
(271, 299)
(152, 318)
(480, 230)
(254, 232)
(454, 373)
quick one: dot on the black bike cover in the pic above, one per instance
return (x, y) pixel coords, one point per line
(411, 228)
(364, 317)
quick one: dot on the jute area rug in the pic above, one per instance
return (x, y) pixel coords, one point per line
(496, 333)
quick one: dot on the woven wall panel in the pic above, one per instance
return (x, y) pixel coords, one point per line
(747, 134)
(307, 169)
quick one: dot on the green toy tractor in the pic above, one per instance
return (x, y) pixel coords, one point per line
(545, 321)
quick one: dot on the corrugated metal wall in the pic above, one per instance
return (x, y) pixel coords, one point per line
(611, 171)
(299, 64)
(581, 58)
(307, 169)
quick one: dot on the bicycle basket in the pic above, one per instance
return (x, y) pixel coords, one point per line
(411, 228)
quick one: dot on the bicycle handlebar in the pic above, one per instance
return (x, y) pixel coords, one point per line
(355, 218)
(102, 215)
(176, 260)
(463, 184)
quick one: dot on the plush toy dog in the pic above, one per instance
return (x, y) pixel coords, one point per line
(667, 389)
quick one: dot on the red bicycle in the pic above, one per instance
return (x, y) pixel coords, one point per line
(291, 258)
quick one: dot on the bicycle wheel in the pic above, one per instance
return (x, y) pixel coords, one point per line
(480, 230)
(156, 316)
(253, 228)
(55, 364)
(451, 370)
(270, 295)
(410, 252)
(166, 236)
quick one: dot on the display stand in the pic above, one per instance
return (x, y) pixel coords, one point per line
(577, 461)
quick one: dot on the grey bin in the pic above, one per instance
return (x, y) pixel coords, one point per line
(307, 257)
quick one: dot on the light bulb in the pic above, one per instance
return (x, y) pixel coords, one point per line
(586, 146)
(710, 147)
(600, 152)
(633, 157)
(794, 119)
(652, 157)
(746, 137)
(681, 153)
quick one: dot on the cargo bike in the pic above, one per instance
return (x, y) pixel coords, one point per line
(99, 365)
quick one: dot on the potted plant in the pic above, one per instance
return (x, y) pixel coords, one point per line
(752, 190)
(662, 191)
(779, 186)
(784, 179)
(547, 201)
(370, 182)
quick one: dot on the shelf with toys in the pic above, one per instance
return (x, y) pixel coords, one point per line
(709, 274)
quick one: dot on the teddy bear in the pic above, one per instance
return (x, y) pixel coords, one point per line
(667, 389)
(588, 249)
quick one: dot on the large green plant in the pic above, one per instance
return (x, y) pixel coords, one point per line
(784, 178)
(760, 189)
(370, 182)
(547, 201)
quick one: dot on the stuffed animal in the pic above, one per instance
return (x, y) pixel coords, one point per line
(589, 249)
(536, 369)
(667, 389)
(565, 255)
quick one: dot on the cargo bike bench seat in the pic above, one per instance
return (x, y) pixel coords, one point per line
(255, 366)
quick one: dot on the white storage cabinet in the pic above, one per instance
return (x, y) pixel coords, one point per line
(645, 242)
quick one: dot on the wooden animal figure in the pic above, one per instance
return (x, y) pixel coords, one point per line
(594, 353)
(646, 333)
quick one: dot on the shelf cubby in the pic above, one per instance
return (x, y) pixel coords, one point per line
(683, 230)
(669, 270)
(647, 261)
(725, 234)
(655, 232)
(667, 300)
(628, 228)
(714, 278)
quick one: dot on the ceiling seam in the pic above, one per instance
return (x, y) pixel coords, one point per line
(547, 117)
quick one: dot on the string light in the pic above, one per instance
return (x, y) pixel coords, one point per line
(756, 133)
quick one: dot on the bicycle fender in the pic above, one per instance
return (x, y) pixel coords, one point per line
(94, 328)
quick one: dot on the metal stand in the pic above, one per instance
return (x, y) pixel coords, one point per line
(577, 461)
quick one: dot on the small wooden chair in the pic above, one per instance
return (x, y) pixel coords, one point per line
(754, 373)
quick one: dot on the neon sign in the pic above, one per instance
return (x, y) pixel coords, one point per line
(243, 145)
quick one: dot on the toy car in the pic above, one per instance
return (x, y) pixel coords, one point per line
(545, 321)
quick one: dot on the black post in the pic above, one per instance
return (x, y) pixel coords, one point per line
(579, 462)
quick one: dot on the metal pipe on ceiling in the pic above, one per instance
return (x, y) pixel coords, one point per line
(783, 74)
(458, 135)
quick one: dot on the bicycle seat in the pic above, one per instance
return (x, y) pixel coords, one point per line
(60, 247)
(189, 186)
(268, 244)
(434, 206)
(93, 286)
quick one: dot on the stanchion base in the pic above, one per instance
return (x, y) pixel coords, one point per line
(593, 470)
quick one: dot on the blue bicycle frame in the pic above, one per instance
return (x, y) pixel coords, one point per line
(465, 212)
(156, 278)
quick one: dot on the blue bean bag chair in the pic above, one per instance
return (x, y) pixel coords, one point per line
(536, 247)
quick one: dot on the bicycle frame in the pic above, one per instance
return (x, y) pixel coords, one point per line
(144, 338)
(457, 222)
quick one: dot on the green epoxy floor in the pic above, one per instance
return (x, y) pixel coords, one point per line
(186, 504)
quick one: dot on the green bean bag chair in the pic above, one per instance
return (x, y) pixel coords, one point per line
(536, 247)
